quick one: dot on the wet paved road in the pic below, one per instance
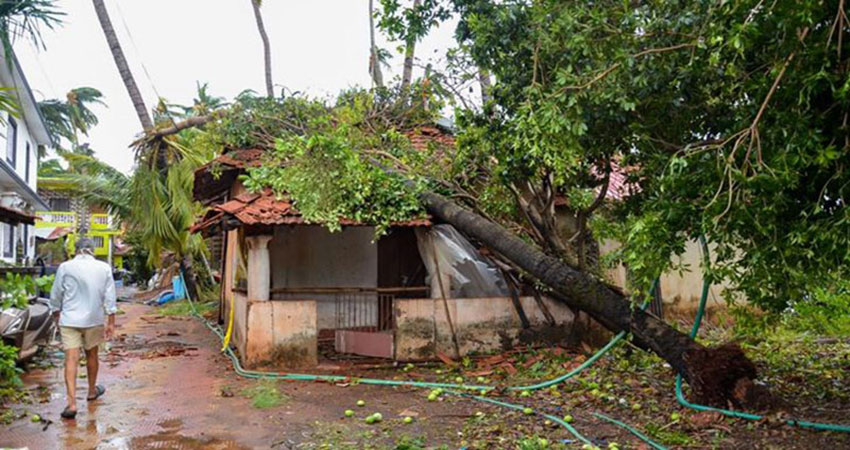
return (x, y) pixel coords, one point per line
(164, 380)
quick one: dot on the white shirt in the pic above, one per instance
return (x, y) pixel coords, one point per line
(84, 292)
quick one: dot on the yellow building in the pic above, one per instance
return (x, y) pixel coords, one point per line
(68, 215)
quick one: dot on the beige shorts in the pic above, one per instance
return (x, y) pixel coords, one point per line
(86, 338)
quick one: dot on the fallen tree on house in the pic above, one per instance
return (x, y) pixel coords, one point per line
(349, 165)
(714, 374)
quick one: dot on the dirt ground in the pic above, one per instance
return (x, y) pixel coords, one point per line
(169, 387)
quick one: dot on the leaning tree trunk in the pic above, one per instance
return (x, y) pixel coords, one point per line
(374, 61)
(121, 62)
(716, 375)
(267, 51)
(189, 278)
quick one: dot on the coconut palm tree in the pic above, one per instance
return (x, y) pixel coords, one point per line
(24, 18)
(72, 116)
(123, 67)
(267, 52)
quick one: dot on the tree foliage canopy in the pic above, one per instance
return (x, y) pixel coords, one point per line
(731, 117)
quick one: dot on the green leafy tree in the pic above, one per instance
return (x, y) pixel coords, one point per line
(728, 118)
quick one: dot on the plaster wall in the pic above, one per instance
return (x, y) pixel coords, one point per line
(239, 334)
(277, 334)
(481, 324)
(680, 291)
(313, 257)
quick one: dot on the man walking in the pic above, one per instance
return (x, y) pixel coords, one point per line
(83, 294)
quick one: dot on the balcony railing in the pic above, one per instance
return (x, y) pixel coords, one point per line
(101, 222)
(48, 219)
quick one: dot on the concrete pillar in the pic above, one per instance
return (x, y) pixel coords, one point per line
(259, 271)
(109, 248)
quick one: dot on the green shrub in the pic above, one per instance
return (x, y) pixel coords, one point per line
(826, 312)
(15, 290)
(9, 371)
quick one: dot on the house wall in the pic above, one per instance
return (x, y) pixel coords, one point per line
(277, 334)
(481, 324)
(680, 292)
(312, 257)
(228, 276)
(28, 174)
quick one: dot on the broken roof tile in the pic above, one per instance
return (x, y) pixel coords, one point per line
(267, 209)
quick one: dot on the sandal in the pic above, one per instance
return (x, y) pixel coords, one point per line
(68, 413)
(99, 390)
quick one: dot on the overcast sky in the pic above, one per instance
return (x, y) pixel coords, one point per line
(318, 47)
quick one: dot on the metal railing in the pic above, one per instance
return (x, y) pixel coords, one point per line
(100, 221)
(56, 219)
(361, 309)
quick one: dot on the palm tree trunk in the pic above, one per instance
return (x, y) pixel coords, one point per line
(714, 374)
(409, 51)
(267, 51)
(123, 68)
(374, 62)
(190, 278)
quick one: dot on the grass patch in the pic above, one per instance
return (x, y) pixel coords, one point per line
(183, 308)
(669, 437)
(265, 394)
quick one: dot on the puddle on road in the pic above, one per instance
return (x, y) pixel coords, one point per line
(170, 437)
(167, 439)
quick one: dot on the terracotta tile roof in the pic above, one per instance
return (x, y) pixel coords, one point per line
(619, 186)
(239, 159)
(267, 209)
(215, 177)
(58, 232)
(10, 215)
(420, 138)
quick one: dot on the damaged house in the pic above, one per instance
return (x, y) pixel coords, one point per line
(293, 292)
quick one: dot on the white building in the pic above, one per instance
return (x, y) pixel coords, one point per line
(21, 135)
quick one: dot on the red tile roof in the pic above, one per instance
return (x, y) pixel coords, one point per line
(215, 177)
(58, 232)
(239, 159)
(619, 186)
(420, 138)
(267, 209)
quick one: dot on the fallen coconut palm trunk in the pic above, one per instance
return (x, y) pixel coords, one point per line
(716, 375)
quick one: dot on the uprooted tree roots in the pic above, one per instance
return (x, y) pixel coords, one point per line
(720, 376)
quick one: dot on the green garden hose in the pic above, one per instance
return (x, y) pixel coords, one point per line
(237, 366)
(741, 415)
(629, 429)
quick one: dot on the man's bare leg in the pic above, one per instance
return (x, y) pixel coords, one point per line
(91, 370)
(72, 359)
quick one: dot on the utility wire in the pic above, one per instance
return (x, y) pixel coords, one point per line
(141, 59)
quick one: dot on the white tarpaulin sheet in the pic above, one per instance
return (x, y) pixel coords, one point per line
(470, 275)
